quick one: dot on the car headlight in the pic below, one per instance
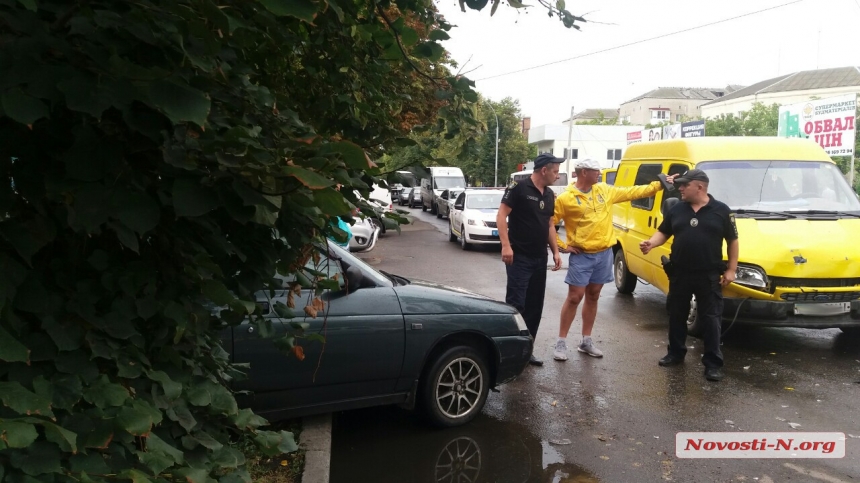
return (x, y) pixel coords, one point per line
(521, 323)
(471, 222)
(750, 276)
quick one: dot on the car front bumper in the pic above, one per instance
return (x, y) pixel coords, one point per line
(766, 313)
(514, 354)
(482, 234)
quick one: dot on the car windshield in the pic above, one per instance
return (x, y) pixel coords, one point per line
(481, 201)
(780, 186)
(353, 261)
(446, 182)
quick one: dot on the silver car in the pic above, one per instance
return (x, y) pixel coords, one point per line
(365, 233)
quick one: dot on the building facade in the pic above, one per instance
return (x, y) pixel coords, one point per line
(604, 144)
(787, 89)
(670, 104)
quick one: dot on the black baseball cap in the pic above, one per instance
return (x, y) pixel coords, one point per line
(692, 175)
(545, 159)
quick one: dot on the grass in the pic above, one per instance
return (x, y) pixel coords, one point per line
(285, 468)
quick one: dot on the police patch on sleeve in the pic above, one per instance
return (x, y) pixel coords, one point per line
(734, 226)
(513, 183)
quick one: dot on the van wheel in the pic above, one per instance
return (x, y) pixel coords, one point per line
(455, 388)
(625, 281)
(694, 326)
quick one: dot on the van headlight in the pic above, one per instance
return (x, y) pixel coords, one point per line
(750, 276)
(521, 323)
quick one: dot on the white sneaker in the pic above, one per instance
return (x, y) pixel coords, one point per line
(560, 353)
(587, 347)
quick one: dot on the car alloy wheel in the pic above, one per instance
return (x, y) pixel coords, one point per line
(459, 387)
(454, 390)
(463, 243)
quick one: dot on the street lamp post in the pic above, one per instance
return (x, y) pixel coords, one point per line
(496, 176)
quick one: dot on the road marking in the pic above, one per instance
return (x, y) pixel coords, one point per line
(815, 474)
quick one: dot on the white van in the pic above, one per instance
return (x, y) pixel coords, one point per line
(441, 178)
(558, 187)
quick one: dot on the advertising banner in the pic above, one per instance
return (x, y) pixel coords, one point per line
(653, 134)
(693, 129)
(829, 122)
(672, 131)
(634, 137)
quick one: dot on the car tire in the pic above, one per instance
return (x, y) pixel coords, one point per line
(434, 208)
(423, 208)
(851, 331)
(463, 243)
(438, 213)
(625, 281)
(455, 387)
(451, 236)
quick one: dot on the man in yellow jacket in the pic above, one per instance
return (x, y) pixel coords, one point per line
(586, 208)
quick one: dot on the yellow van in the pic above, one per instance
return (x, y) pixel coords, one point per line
(798, 224)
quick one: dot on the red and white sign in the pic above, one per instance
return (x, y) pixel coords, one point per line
(760, 445)
(634, 137)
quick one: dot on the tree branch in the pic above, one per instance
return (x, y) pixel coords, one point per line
(403, 49)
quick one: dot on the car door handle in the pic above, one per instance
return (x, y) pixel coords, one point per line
(417, 326)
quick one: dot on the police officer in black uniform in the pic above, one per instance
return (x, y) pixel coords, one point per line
(525, 228)
(699, 224)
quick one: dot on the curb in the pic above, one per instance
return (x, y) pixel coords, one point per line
(316, 441)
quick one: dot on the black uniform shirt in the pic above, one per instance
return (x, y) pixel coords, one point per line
(528, 223)
(698, 244)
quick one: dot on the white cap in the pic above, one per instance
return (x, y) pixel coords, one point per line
(587, 163)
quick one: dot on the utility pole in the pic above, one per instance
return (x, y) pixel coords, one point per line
(569, 148)
(496, 176)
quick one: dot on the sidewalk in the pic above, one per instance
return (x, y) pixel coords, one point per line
(316, 441)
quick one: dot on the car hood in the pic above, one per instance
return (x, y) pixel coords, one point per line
(801, 248)
(422, 297)
(481, 213)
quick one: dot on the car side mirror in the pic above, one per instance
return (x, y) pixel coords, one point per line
(668, 203)
(458, 206)
(354, 279)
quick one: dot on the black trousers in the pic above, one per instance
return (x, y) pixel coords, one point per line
(526, 288)
(709, 306)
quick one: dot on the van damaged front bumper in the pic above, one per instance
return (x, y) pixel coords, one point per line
(769, 313)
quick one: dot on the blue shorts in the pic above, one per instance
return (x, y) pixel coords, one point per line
(587, 268)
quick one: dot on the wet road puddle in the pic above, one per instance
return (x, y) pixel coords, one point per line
(392, 445)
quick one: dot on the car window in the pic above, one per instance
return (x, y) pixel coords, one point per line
(460, 198)
(482, 201)
(646, 174)
(674, 169)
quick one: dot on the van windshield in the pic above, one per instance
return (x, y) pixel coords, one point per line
(446, 182)
(780, 186)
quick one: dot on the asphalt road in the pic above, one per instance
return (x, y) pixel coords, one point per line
(612, 419)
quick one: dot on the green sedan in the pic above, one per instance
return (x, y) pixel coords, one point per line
(387, 340)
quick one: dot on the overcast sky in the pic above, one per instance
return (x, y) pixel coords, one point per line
(804, 35)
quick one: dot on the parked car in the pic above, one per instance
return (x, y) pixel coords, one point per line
(414, 198)
(388, 340)
(473, 217)
(365, 233)
(403, 196)
(445, 200)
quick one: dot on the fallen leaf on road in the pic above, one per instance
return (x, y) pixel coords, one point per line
(794, 425)
(789, 389)
(729, 421)
(554, 403)
(604, 458)
(746, 368)
(780, 419)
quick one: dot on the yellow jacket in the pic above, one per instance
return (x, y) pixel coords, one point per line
(588, 216)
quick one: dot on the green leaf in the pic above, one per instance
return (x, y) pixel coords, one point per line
(273, 443)
(430, 50)
(136, 421)
(90, 463)
(17, 434)
(126, 236)
(22, 401)
(156, 445)
(156, 462)
(217, 292)
(245, 419)
(135, 476)
(67, 337)
(308, 178)
(23, 108)
(137, 211)
(352, 154)
(41, 458)
(28, 237)
(495, 6)
(29, 4)
(559, 4)
(14, 275)
(439, 35)
(331, 202)
(172, 389)
(104, 393)
(194, 475)
(517, 4)
(11, 350)
(84, 95)
(180, 102)
(183, 416)
(65, 439)
(305, 10)
(192, 199)
(207, 441)
(283, 310)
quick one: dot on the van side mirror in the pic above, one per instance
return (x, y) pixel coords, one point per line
(668, 203)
